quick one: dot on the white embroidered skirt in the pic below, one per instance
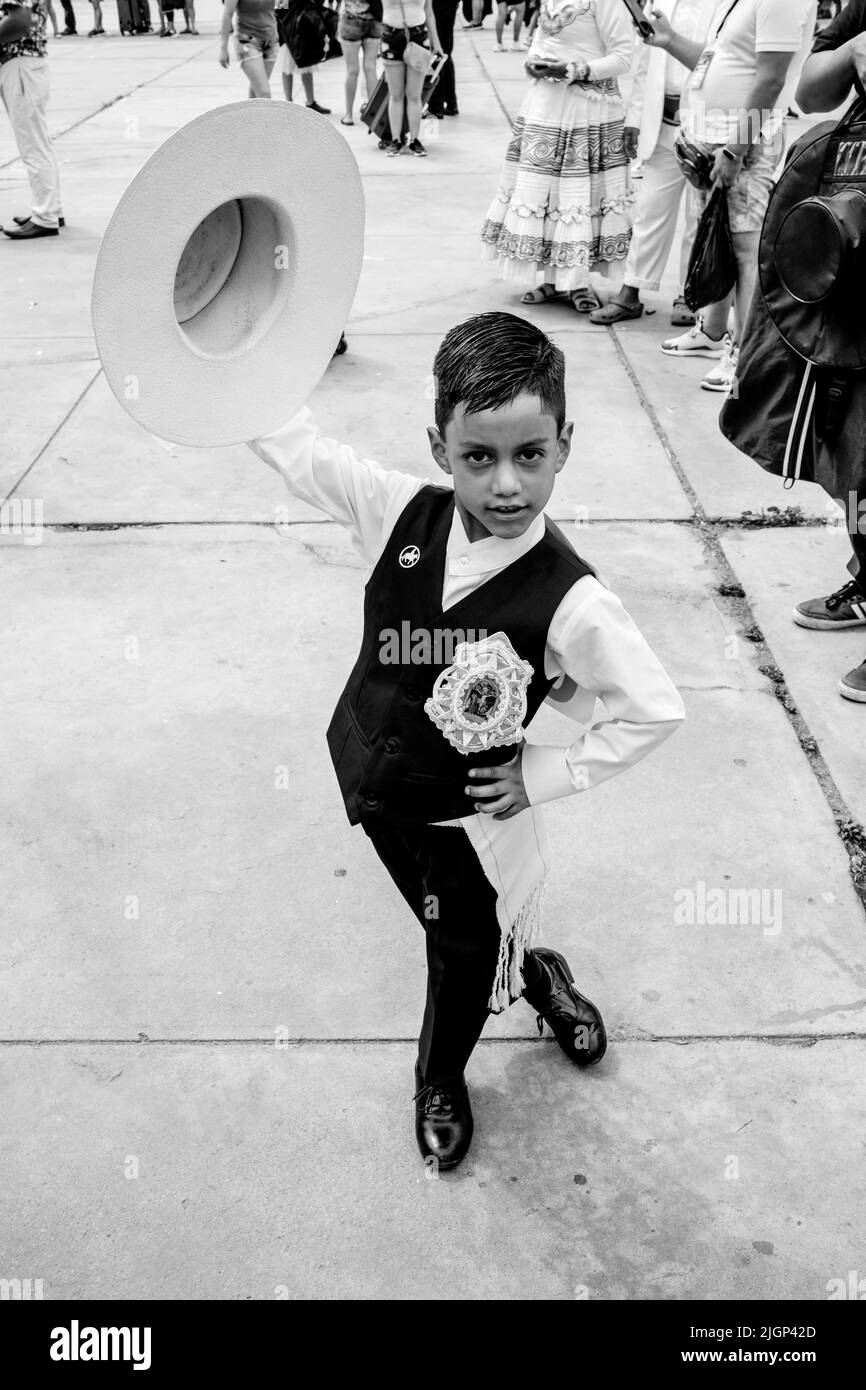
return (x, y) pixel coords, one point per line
(564, 201)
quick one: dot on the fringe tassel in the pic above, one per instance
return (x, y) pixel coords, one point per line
(516, 939)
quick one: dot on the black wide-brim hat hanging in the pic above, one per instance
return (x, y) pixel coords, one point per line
(812, 260)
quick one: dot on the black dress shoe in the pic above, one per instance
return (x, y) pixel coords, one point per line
(29, 231)
(19, 221)
(575, 1021)
(443, 1121)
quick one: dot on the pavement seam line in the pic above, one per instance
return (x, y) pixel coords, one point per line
(53, 435)
(741, 607)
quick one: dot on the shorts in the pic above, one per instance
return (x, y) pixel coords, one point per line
(356, 28)
(254, 46)
(394, 41)
(749, 196)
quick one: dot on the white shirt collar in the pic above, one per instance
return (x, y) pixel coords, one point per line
(493, 553)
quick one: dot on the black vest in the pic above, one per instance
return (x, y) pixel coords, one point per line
(391, 760)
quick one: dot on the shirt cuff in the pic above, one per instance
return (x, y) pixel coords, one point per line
(546, 774)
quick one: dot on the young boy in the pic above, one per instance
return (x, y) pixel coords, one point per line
(459, 832)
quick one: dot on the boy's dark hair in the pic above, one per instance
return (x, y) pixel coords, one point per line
(484, 363)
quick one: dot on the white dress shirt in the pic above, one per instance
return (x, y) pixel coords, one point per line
(593, 650)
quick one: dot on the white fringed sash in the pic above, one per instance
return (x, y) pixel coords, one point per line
(515, 856)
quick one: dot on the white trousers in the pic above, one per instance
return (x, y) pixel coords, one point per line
(655, 222)
(24, 89)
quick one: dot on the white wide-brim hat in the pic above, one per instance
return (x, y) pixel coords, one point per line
(227, 273)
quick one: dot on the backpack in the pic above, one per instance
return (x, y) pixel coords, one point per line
(798, 418)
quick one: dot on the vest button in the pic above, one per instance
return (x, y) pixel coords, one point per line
(392, 746)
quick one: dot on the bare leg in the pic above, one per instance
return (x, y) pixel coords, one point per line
(257, 73)
(716, 318)
(53, 17)
(519, 11)
(746, 252)
(371, 49)
(395, 74)
(307, 84)
(288, 84)
(414, 85)
(351, 53)
(501, 16)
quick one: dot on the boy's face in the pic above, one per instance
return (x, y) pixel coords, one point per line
(503, 463)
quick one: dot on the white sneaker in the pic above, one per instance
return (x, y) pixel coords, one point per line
(499, 48)
(696, 343)
(721, 378)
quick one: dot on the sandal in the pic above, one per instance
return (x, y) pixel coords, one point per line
(614, 312)
(346, 120)
(585, 301)
(541, 294)
(681, 314)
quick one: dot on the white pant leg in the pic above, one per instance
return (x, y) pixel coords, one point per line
(24, 88)
(655, 224)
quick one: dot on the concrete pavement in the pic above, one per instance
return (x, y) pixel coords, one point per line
(210, 990)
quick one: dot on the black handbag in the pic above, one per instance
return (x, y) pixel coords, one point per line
(331, 19)
(712, 271)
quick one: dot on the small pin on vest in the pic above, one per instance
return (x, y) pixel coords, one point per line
(409, 556)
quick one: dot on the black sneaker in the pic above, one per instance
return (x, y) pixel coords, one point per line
(393, 147)
(417, 148)
(853, 686)
(845, 608)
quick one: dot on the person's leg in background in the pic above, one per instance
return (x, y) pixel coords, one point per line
(351, 53)
(258, 74)
(371, 76)
(519, 12)
(443, 102)
(499, 24)
(414, 88)
(395, 75)
(853, 685)
(69, 16)
(25, 87)
(748, 200)
(309, 93)
(49, 8)
(97, 19)
(653, 234)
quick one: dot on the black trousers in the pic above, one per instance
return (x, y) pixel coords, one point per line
(444, 97)
(437, 871)
(68, 14)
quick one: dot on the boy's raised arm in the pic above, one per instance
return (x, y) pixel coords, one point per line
(359, 494)
(597, 644)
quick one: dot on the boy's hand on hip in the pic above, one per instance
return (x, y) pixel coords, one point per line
(499, 791)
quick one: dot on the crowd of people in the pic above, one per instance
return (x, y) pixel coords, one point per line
(133, 17)
(712, 87)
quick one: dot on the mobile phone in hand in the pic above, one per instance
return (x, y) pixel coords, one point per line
(639, 19)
